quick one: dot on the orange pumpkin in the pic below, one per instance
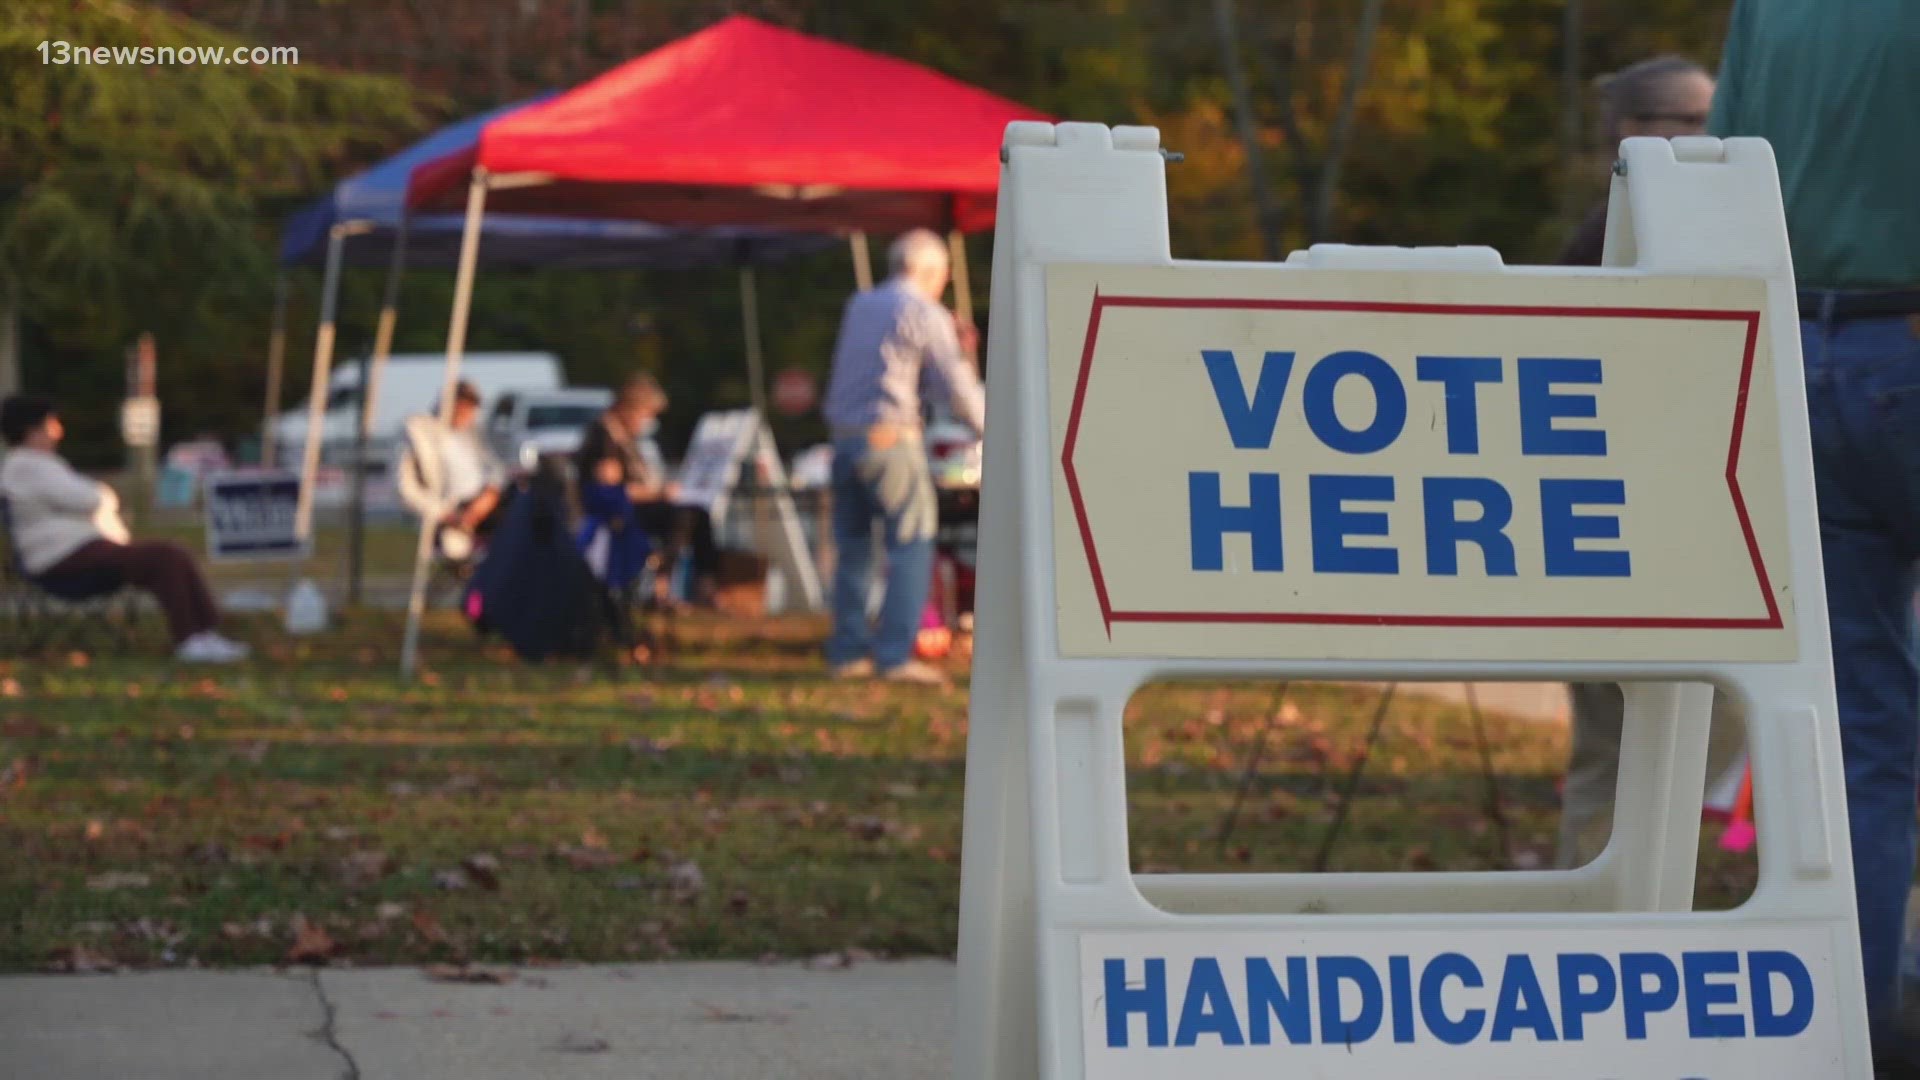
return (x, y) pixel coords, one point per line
(933, 643)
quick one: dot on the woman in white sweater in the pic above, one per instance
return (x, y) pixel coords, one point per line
(71, 541)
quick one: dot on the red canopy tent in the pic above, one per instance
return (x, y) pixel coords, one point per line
(746, 123)
(740, 124)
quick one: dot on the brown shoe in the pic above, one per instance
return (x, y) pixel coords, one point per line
(853, 669)
(916, 672)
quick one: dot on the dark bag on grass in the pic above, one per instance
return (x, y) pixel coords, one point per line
(533, 588)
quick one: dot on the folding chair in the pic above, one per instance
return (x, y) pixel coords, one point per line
(39, 618)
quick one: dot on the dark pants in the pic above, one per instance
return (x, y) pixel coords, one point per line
(161, 569)
(1863, 399)
(678, 529)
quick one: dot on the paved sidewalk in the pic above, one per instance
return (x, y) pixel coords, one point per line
(872, 1021)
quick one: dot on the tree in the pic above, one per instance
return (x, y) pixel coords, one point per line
(131, 194)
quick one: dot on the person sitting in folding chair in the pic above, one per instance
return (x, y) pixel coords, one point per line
(447, 474)
(673, 527)
(611, 537)
(72, 543)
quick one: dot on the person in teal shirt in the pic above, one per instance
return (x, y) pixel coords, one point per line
(1834, 86)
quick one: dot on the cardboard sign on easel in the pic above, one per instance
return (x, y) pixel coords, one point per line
(724, 442)
(1379, 464)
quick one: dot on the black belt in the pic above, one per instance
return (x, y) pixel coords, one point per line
(1850, 304)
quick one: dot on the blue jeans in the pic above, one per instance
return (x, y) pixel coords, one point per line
(1863, 400)
(892, 486)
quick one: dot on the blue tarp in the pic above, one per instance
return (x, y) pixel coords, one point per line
(378, 196)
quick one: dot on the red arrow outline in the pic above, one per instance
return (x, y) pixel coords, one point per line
(1772, 621)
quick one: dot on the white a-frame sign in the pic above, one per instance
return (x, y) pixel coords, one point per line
(709, 474)
(1391, 463)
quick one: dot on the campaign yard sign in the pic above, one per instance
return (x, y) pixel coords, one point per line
(1384, 465)
(250, 515)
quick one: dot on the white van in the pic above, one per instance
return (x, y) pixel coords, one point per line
(409, 386)
(522, 425)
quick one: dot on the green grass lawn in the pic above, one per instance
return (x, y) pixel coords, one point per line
(732, 803)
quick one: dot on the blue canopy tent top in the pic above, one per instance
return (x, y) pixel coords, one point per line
(364, 222)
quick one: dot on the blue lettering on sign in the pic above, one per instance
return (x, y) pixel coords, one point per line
(1267, 1000)
(1433, 983)
(1389, 403)
(1456, 511)
(1540, 407)
(1249, 420)
(1460, 375)
(1333, 523)
(1579, 1001)
(1208, 521)
(1561, 528)
(1335, 1025)
(1448, 999)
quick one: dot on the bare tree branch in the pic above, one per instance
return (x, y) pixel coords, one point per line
(1341, 136)
(1225, 29)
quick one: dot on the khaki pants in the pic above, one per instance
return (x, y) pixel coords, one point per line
(1593, 772)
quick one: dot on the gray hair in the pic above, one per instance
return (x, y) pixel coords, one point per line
(1640, 90)
(915, 249)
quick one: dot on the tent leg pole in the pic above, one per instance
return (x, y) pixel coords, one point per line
(322, 378)
(862, 261)
(750, 324)
(456, 345)
(276, 364)
(962, 287)
(370, 371)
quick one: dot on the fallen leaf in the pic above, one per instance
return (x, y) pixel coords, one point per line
(454, 785)
(428, 927)
(400, 789)
(593, 838)
(9, 687)
(737, 902)
(484, 869)
(575, 1043)
(25, 727)
(452, 880)
(868, 827)
(119, 879)
(586, 858)
(337, 693)
(337, 833)
(901, 790)
(96, 829)
(311, 943)
(80, 960)
(724, 1015)
(256, 752)
(468, 973)
(211, 853)
(686, 880)
(365, 868)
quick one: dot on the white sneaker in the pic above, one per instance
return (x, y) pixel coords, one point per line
(208, 647)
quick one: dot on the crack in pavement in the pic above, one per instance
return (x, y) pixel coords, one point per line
(328, 1033)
